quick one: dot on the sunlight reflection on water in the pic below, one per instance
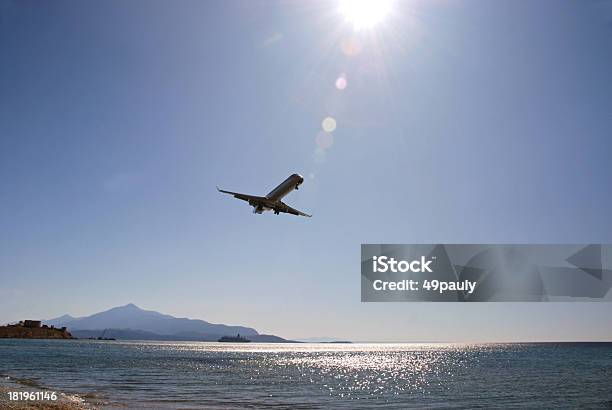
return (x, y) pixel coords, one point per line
(179, 374)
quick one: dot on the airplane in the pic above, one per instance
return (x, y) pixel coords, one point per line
(272, 201)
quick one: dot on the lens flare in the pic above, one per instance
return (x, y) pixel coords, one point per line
(350, 46)
(365, 14)
(328, 124)
(341, 82)
(324, 140)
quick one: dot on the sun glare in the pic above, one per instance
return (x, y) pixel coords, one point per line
(364, 14)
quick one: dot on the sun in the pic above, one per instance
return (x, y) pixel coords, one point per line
(365, 14)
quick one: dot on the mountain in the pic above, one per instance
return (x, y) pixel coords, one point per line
(132, 317)
(134, 323)
(59, 321)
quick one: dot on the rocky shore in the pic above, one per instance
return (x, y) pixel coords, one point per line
(33, 330)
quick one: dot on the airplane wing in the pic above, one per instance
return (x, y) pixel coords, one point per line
(283, 207)
(244, 197)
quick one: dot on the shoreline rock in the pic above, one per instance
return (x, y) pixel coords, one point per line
(44, 332)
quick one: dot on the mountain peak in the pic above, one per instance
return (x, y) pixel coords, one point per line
(130, 306)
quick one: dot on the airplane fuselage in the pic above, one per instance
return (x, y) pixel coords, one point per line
(288, 185)
(292, 182)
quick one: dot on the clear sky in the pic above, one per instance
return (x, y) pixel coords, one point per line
(462, 121)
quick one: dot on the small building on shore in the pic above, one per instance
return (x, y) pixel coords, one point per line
(32, 323)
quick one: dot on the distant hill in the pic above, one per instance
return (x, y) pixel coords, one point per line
(59, 321)
(130, 322)
(269, 339)
(131, 334)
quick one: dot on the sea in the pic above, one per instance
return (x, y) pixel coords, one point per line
(186, 375)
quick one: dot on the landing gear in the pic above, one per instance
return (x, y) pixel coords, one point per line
(276, 213)
(297, 187)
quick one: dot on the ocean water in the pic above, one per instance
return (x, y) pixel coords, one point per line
(132, 374)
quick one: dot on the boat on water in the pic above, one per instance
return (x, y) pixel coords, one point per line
(101, 337)
(234, 339)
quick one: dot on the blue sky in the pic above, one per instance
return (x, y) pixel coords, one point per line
(464, 121)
